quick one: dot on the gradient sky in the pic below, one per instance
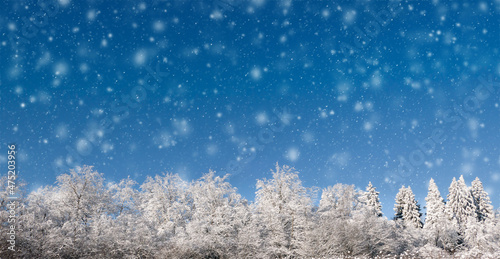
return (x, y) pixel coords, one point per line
(344, 91)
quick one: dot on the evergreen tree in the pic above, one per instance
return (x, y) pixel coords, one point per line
(460, 206)
(435, 206)
(412, 214)
(452, 201)
(484, 209)
(439, 233)
(407, 208)
(83, 216)
(371, 200)
(399, 205)
(357, 231)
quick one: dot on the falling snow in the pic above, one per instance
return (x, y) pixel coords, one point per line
(392, 92)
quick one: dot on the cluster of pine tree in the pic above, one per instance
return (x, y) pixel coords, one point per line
(83, 216)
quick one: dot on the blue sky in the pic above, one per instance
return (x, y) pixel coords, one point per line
(393, 92)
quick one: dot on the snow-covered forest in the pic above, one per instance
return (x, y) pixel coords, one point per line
(85, 216)
(180, 110)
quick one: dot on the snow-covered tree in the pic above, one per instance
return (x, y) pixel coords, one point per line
(481, 236)
(65, 214)
(83, 216)
(438, 231)
(336, 208)
(346, 228)
(435, 206)
(124, 196)
(283, 206)
(128, 228)
(164, 204)
(407, 209)
(371, 200)
(340, 200)
(212, 229)
(249, 232)
(460, 204)
(375, 236)
(399, 205)
(484, 209)
(41, 221)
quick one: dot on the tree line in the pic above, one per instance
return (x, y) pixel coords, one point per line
(84, 216)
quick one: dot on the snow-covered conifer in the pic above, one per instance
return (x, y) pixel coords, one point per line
(398, 206)
(435, 206)
(407, 208)
(460, 205)
(484, 209)
(371, 201)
